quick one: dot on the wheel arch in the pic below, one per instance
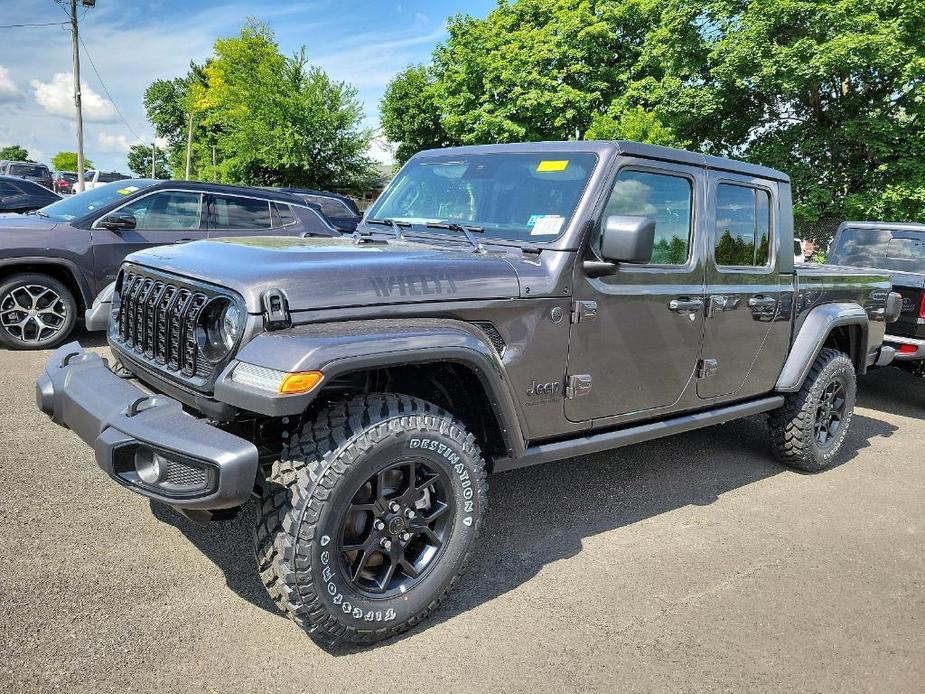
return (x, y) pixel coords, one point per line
(62, 270)
(445, 361)
(843, 326)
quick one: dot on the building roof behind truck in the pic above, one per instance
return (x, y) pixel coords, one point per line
(624, 148)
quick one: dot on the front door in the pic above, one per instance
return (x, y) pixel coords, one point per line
(163, 217)
(638, 351)
(743, 285)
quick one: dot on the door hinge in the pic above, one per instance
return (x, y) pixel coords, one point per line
(584, 310)
(706, 368)
(578, 385)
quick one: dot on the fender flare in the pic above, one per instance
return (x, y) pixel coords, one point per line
(336, 349)
(82, 286)
(808, 342)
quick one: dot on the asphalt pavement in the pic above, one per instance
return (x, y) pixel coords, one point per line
(694, 563)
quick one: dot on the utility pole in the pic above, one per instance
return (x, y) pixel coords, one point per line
(189, 146)
(80, 119)
(153, 158)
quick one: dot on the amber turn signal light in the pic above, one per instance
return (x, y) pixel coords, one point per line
(300, 382)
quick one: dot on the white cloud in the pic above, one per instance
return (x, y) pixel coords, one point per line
(8, 89)
(161, 142)
(57, 98)
(107, 142)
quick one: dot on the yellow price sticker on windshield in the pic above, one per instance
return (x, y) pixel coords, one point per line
(548, 165)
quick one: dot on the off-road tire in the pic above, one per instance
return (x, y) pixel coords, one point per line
(791, 427)
(322, 461)
(34, 279)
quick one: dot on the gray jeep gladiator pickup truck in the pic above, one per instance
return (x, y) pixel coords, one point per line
(498, 307)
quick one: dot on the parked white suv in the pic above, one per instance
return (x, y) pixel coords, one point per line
(95, 177)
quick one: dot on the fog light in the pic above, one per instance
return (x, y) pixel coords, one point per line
(150, 466)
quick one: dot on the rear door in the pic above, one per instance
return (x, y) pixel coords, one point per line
(743, 292)
(162, 217)
(239, 215)
(637, 330)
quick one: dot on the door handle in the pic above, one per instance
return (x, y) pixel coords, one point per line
(183, 240)
(685, 305)
(762, 302)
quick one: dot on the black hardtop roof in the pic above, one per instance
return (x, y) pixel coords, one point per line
(622, 147)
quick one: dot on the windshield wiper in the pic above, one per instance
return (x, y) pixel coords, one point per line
(396, 226)
(466, 229)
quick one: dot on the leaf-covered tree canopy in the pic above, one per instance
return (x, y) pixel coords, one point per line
(266, 118)
(830, 91)
(67, 161)
(14, 153)
(139, 162)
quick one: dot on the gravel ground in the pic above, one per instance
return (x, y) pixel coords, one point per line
(694, 563)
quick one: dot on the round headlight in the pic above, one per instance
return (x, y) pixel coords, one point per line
(231, 326)
(220, 328)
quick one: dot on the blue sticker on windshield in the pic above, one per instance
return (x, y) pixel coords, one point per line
(532, 220)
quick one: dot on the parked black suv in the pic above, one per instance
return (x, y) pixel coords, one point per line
(55, 261)
(499, 307)
(898, 249)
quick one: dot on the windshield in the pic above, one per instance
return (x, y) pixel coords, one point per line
(28, 170)
(886, 249)
(515, 196)
(84, 203)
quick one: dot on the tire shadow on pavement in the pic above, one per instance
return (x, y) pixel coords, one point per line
(542, 514)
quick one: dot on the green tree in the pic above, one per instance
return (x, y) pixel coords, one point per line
(67, 161)
(139, 162)
(14, 153)
(830, 91)
(276, 120)
(409, 113)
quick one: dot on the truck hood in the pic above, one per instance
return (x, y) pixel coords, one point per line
(319, 273)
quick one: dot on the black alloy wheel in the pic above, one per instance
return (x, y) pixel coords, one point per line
(395, 528)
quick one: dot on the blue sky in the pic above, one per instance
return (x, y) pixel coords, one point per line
(132, 43)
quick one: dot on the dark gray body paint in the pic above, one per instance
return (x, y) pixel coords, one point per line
(361, 306)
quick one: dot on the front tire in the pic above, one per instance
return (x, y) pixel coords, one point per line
(36, 311)
(369, 517)
(810, 429)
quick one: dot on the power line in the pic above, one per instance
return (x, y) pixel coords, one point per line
(103, 85)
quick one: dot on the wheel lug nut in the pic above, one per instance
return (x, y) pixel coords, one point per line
(386, 544)
(379, 525)
(405, 537)
(409, 514)
(394, 507)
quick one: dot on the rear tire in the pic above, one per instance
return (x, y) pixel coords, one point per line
(810, 429)
(36, 311)
(369, 474)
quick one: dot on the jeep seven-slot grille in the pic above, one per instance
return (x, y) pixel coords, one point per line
(157, 321)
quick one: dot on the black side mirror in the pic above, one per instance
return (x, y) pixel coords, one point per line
(118, 221)
(628, 239)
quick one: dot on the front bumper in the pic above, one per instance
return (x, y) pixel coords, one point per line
(201, 466)
(907, 348)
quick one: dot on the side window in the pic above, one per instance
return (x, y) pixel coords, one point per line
(282, 215)
(240, 213)
(743, 226)
(665, 198)
(169, 210)
(7, 188)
